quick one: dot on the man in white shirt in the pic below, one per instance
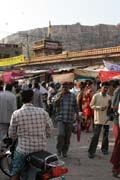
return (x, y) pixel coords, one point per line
(99, 103)
(7, 106)
(37, 97)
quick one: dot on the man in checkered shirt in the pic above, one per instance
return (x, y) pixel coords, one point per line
(31, 125)
(66, 108)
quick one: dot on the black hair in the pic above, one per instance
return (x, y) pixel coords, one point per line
(27, 95)
(9, 87)
(1, 82)
(89, 82)
(51, 84)
(1, 88)
(18, 90)
(30, 85)
(105, 84)
(57, 85)
(36, 85)
(114, 83)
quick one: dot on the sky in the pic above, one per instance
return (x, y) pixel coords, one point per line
(20, 15)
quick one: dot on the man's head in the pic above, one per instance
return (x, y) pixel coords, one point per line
(104, 88)
(51, 84)
(114, 84)
(29, 85)
(9, 87)
(36, 85)
(65, 87)
(27, 96)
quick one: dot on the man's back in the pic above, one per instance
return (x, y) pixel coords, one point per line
(32, 125)
(7, 106)
(37, 98)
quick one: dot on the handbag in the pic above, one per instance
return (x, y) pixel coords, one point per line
(77, 130)
(74, 128)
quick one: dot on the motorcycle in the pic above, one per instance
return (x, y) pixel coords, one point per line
(40, 165)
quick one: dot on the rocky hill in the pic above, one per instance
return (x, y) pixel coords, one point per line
(75, 37)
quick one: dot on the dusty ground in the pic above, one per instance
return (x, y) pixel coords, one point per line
(80, 166)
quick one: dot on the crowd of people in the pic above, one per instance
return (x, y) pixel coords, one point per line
(29, 113)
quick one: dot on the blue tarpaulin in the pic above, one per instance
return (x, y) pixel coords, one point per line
(111, 67)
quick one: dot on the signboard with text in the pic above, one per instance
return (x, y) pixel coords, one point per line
(12, 60)
(52, 45)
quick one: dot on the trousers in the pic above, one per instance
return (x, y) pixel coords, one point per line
(95, 138)
(64, 134)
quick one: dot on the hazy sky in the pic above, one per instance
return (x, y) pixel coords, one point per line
(18, 15)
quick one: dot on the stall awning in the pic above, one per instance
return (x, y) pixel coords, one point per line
(86, 73)
(105, 76)
(59, 78)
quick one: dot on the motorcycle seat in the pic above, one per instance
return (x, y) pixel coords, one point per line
(37, 159)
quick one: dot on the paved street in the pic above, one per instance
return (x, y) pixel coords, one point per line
(83, 168)
(80, 166)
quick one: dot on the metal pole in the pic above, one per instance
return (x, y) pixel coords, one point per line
(28, 52)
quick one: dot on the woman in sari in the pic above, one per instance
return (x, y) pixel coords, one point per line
(87, 112)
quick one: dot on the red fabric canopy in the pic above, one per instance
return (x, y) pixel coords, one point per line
(18, 73)
(108, 75)
(8, 77)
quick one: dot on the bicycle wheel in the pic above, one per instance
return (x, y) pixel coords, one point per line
(5, 164)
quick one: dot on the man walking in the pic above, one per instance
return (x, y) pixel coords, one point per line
(66, 108)
(99, 103)
(31, 126)
(7, 106)
(37, 97)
